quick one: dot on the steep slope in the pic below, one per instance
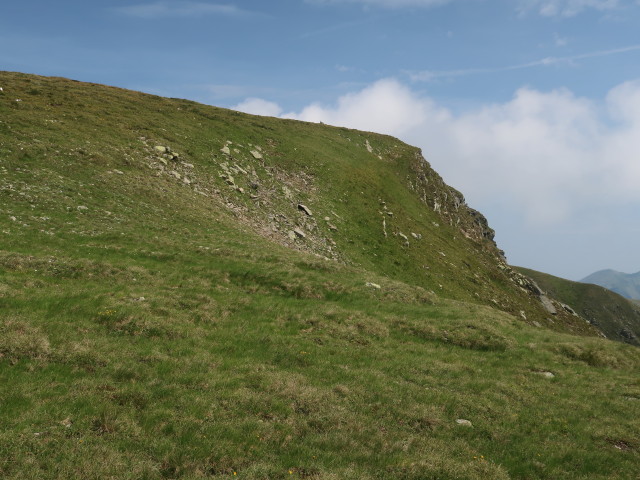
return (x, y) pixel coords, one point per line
(625, 284)
(375, 202)
(189, 292)
(617, 317)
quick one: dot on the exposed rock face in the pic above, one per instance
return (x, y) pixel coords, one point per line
(451, 205)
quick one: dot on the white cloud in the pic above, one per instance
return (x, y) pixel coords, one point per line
(258, 106)
(546, 155)
(566, 8)
(179, 9)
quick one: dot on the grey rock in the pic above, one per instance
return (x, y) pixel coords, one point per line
(304, 209)
(299, 233)
(548, 305)
(464, 423)
(161, 149)
(257, 155)
(226, 150)
(546, 374)
(373, 285)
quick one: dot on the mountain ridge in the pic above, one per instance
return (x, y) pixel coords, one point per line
(625, 284)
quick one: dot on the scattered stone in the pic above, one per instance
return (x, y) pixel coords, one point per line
(368, 145)
(523, 315)
(291, 234)
(464, 423)
(569, 309)
(326, 219)
(66, 422)
(186, 181)
(119, 172)
(175, 174)
(240, 189)
(287, 193)
(161, 149)
(417, 236)
(187, 165)
(226, 150)
(332, 227)
(240, 169)
(256, 154)
(373, 285)
(545, 374)
(548, 305)
(305, 209)
(299, 233)
(537, 324)
(13, 218)
(390, 214)
(82, 208)
(163, 161)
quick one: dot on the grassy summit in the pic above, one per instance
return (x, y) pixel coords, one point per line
(262, 298)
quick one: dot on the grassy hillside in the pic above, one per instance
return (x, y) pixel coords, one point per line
(616, 316)
(627, 285)
(179, 314)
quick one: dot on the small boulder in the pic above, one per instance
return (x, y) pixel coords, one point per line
(304, 209)
(464, 423)
(257, 155)
(373, 285)
(226, 150)
(548, 305)
(299, 233)
(161, 149)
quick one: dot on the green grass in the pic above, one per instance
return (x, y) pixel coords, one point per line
(161, 333)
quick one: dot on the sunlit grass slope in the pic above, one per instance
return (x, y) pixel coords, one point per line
(177, 314)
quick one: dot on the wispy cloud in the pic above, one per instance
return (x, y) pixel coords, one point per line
(566, 8)
(180, 9)
(386, 3)
(429, 75)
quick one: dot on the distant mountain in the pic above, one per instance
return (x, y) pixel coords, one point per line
(625, 284)
(617, 317)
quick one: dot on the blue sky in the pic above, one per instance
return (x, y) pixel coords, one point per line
(530, 107)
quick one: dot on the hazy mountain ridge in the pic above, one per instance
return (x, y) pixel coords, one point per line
(625, 284)
(617, 317)
(190, 292)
